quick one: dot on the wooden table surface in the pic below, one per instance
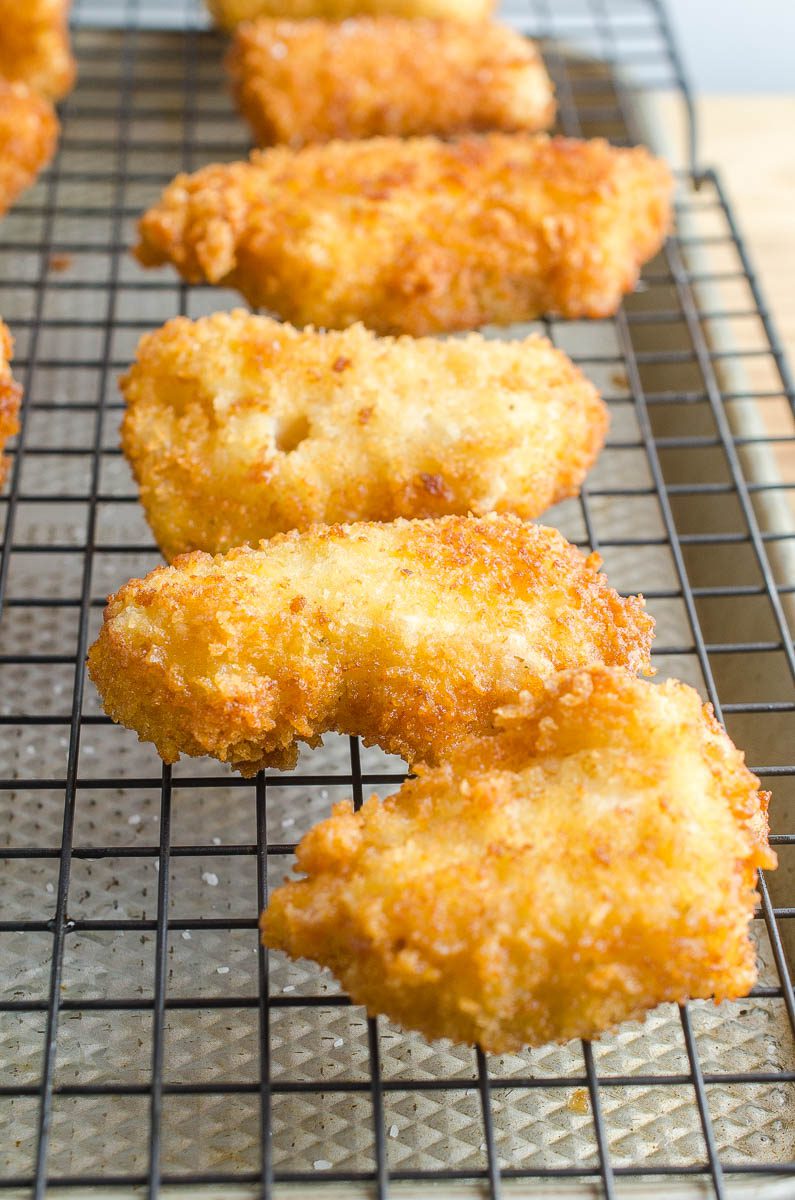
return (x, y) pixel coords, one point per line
(751, 141)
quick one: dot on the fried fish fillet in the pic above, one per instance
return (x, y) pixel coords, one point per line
(34, 45)
(386, 75)
(28, 137)
(238, 427)
(407, 634)
(594, 858)
(230, 13)
(418, 236)
(10, 396)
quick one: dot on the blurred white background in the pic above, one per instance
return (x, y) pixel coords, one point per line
(737, 45)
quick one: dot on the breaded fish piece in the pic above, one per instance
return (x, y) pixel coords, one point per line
(418, 236)
(407, 634)
(28, 137)
(595, 858)
(34, 45)
(386, 75)
(230, 13)
(238, 427)
(10, 397)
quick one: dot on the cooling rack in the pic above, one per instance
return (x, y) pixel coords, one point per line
(149, 1046)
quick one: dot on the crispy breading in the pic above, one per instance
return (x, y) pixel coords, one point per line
(10, 396)
(28, 137)
(238, 427)
(593, 859)
(386, 75)
(408, 634)
(418, 236)
(230, 13)
(34, 45)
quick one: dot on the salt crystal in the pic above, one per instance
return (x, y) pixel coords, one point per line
(48, 887)
(186, 935)
(338, 1042)
(321, 1164)
(278, 50)
(287, 822)
(135, 819)
(393, 1131)
(222, 970)
(210, 877)
(216, 841)
(290, 987)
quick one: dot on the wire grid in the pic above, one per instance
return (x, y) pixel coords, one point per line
(118, 891)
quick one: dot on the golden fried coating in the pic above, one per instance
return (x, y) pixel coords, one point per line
(229, 13)
(34, 45)
(418, 236)
(386, 75)
(238, 427)
(593, 859)
(10, 396)
(28, 137)
(408, 634)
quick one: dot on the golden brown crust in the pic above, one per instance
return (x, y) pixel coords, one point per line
(238, 427)
(418, 236)
(28, 137)
(230, 13)
(10, 397)
(408, 634)
(385, 75)
(34, 45)
(595, 858)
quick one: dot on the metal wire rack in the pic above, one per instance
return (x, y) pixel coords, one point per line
(148, 1042)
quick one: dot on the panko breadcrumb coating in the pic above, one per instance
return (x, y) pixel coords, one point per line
(238, 427)
(407, 634)
(34, 45)
(28, 137)
(386, 75)
(595, 858)
(418, 236)
(230, 13)
(10, 397)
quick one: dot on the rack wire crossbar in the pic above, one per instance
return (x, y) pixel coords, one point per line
(149, 1041)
